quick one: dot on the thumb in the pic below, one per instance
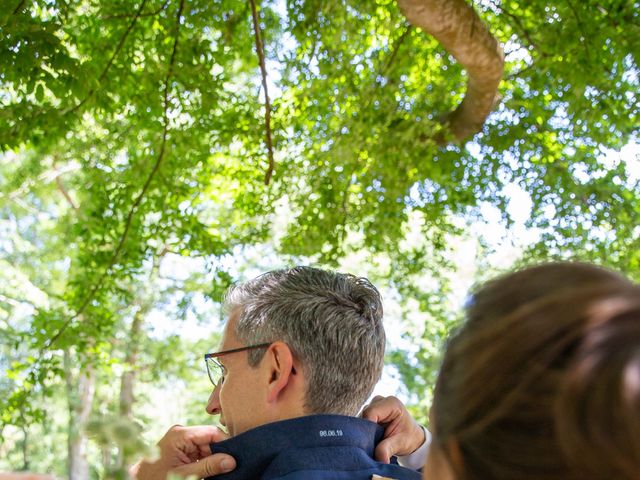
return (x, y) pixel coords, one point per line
(372, 412)
(385, 450)
(207, 467)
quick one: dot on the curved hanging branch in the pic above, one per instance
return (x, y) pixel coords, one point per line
(459, 29)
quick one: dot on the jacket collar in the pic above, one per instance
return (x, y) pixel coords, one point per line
(255, 449)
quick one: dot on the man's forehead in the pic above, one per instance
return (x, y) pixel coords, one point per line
(232, 319)
(228, 333)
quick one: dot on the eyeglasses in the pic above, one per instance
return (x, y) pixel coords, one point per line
(216, 370)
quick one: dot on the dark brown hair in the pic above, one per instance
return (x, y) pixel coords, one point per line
(543, 379)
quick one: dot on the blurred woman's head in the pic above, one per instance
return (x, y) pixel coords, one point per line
(543, 380)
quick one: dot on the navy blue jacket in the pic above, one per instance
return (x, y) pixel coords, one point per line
(316, 447)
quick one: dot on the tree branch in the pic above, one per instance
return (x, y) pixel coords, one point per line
(19, 7)
(15, 12)
(458, 28)
(134, 207)
(518, 23)
(65, 193)
(267, 103)
(112, 59)
(519, 73)
(585, 37)
(145, 14)
(14, 302)
(396, 48)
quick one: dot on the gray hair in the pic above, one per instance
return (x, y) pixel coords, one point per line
(332, 322)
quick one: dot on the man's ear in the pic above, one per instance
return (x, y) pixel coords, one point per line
(281, 369)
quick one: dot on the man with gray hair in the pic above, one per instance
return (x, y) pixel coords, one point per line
(301, 352)
(330, 323)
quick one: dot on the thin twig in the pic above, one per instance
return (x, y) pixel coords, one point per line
(145, 14)
(585, 37)
(520, 72)
(19, 7)
(65, 193)
(518, 23)
(267, 103)
(15, 11)
(368, 92)
(143, 192)
(14, 302)
(112, 59)
(396, 48)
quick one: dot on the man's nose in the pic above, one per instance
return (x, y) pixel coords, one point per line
(213, 405)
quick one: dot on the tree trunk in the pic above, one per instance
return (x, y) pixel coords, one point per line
(80, 399)
(146, 301)
(25, 449)
(460, 31)
(131, 358)
(106, 458)
(128, 377)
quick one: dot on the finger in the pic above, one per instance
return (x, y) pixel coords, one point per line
(183, 457)
(383, 451)
(204, 434)
(204, 451)
(381, 414)
(374, 401)
(207, 467)
(372, 411)
(188, 444)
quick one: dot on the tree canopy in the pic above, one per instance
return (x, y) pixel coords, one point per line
(135, 132)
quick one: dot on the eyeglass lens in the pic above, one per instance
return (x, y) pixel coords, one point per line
(215, 371)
